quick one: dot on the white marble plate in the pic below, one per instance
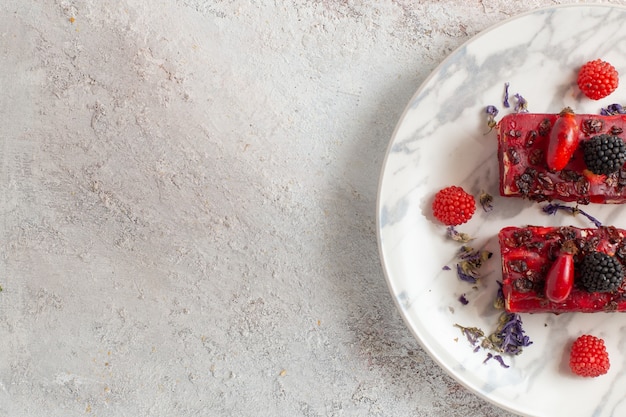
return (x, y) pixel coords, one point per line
(439, 141)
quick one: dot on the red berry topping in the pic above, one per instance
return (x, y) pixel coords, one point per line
(563, 140)
(453, 206)
(560, 278)
(589, 357)
(597, 79)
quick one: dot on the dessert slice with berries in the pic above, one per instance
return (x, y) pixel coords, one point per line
(563, 269)
(565, 156)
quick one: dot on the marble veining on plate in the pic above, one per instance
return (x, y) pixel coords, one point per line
(443, 139)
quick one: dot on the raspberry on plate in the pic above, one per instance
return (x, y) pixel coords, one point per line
(597, 79)
(453, 206)
(589, 357)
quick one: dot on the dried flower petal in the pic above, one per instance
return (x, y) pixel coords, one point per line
(501, 361)
(463, 300)
(446, 268)
(552, 208)
(463, 276)
(498, 302)
(473, 334)
(522, 105)
(505, 103)
(486, 200)
(498, 358)
(492, 112)
(457, 236)
(613, 109)
(509, 337)
(470, 262)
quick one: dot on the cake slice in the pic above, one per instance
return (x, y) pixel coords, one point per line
(523, 142)
(529, 252)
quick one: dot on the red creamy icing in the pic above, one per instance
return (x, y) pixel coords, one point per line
(522, 146)
(527, 254)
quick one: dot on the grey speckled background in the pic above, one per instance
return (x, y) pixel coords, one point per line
(188, 206)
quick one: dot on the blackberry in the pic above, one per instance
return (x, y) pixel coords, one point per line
(604, 154)
(600, 272)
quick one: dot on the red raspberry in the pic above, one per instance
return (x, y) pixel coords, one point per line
(597, 79)
(589, 357)
(453, 206)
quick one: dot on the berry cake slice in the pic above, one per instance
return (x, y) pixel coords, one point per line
(599, 259)
(592, 168)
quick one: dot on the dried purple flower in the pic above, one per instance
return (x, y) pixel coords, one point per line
(509, 337)
(457, 236)
(498, 302)
(613, 109)
(463, 300)
(470, 262)
(473, 334)
(492, 112)
(552, 208)
(501, 361)
(505, 103)
(465, 276)
(446, 268)
(522, 105)
(486, 200)
(497, 358)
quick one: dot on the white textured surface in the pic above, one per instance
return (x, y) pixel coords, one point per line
(188, 206)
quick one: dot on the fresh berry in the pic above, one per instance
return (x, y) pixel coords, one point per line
(604, 154)
(560, 278)
(600, 272)
(597, 79)
(563, 140)
(453, 206)
(589, 357)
